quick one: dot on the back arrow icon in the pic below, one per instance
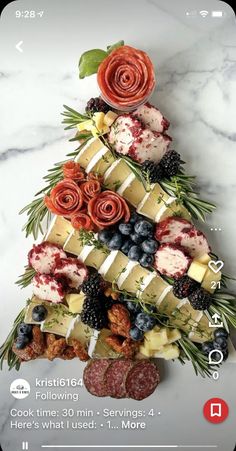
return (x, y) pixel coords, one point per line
(18, 46)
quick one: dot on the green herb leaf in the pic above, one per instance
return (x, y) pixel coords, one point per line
(90, 61)
(115, 46)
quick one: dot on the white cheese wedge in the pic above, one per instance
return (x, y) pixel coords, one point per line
(98, 347)
(59, 230)
(88, 151)
(163, 295)
(135, 192)
(79, 331)
(126, 184)
(152, 201)
(146, 282)
(116, 174)
(96, 257)
(165, 209)
(172, 208)
(100, 162)
(132, 278)
(112, 267)
(93, 342)
(85, 252)
(169, 303)
(58, 320)
(202, 331)
(152, 292)
(73, 244)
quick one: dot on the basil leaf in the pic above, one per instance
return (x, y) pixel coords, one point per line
(115, 46)
(89, 62)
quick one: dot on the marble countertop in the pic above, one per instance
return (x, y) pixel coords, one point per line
(195, 62)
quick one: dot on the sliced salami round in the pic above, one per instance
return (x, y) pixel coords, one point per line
(142, 380)
(115, 377)
(94, 377)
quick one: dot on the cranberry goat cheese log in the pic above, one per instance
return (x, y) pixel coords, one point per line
(172, 260)
(151, 117)
(73, 270)
(128, 136)
(43, 257)
(48, 288)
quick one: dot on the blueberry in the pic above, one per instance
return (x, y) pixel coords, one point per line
(146, 260)
(24, 329)
(145, 322)
(207, 347)
(135, 253)
(21, 341)
(104, 236)
(143, 228)
(115, 242)
(39, 313)
(137, 239)
(221, 333)
(149, 246)
(126, 246)
(136, 334)
(134, 218)
(220, 343)
(125, 229)
(133, 306)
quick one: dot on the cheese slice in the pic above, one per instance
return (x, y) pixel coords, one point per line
(88, 151)
(152, 292)
(73, 244)
(116, 174)
(134, 192)
(113, 265)
(98, 348)
(58, 320)
(79, 331)
(152, 201)
(59, 230)
(132, 278)
(100, 162)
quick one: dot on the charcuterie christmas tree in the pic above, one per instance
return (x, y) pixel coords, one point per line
(123, 276)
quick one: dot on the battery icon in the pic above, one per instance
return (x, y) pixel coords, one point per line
(217, 13)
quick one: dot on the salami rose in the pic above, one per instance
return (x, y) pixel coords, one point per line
(81, 220)
(90, 189)
(65, 198)
(73, 171)
(108, 208)
(126, 77)
(92, 176)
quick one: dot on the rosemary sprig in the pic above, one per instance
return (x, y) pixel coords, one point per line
(224, 305)
(72, 117)
(191, 353)
(25, 279)
(88, 238)
(37, 210)
(6, 352)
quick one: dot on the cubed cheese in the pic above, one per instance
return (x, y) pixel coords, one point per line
(169, 352)
(73, 244)
(113, 266)
(110, 117)
(152, 202)
(197, 271)
(59, 230)
(100, 162)
(157, 339)
(211, 280)
(173, 335)
(99, 120)
(145, 351)
(75, 302)
(132, 278)
(88, 151)
(205, 258)
(85, 125)
(116, 174)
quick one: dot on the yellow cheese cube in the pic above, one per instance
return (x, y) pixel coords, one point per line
(110, 117)
(99, 120)
(86, 125)
(73, 244)
(169, 352)
(145, 351)
(197, 271)
(211, 280)
(205, 258)
(75, 302)
(173, 335)
(157, 339)
(58, 231)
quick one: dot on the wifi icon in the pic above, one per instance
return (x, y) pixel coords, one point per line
(203, 13)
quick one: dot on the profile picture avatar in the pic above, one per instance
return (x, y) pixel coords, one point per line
(20, 388)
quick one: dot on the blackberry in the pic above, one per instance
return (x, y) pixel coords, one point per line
(200, 299)
(97, 104)
(184, 286)
(93, 286)
(151, 171)
(93, 314)
(170, 163)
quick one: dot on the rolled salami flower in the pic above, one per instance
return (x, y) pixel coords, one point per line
(126, 78)
(108, 208)
(65, 199)
(90, 189)
(82, 220)
(73, 171)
